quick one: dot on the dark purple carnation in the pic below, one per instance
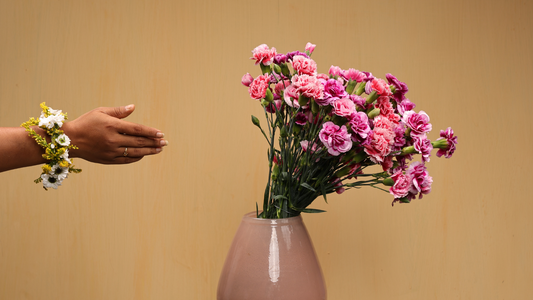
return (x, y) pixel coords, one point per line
(290, 55)
(300, 119)
(401, 88)
(280, 59)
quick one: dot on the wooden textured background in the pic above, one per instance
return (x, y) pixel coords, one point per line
(160, 228)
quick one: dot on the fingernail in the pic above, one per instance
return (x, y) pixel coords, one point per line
(160, 135)
(157, 150)
(129, 107)
(163, 142)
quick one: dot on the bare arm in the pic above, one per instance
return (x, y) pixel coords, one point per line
(100, 134)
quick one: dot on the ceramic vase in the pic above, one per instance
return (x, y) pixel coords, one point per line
(271, 259)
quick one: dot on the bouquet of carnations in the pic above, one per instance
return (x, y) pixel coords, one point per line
(325, 130)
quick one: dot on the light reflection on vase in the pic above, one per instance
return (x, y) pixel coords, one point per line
(271, 259)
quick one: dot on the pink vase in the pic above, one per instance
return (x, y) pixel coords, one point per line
(271, 259)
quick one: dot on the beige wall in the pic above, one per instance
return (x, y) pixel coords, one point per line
(160, 229)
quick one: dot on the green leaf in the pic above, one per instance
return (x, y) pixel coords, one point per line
(312, 210)
(277, 197)
(307, 186)
(323, 193)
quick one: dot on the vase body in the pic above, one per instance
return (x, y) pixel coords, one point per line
(271, 259)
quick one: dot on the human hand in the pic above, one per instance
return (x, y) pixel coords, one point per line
(102, 137)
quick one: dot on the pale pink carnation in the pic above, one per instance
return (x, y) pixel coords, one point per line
(423, 146)
(322, 76)
(258, 87)
(262, 54)
(343, 107)
(417, 122)
(247, 79)
(305, 146)
(308, 86)
(381, 140)
(402, 185)
(303, 65)
(280, 86)
(336, 139)
(353, 74)
(290, 95)
(381, 87)
(335, 71)
(310, 48)
(452, 141)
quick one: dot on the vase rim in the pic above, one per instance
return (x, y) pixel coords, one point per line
(251, 217)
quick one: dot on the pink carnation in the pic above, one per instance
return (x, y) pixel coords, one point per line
(310, 48)
(343, 107)
(247, 79)
(334, 89)
(258, 87)
(336, 139)
(386, 109)
(418, 123)
(304, 65)
(450, 139)
(381, 87)
(274, 106)
(402, 185)
(380, 140)
(262, 54)
(280, 86)
(308, 86)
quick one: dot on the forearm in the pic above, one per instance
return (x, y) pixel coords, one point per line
(18, 149)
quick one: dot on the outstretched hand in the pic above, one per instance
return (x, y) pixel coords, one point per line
(102, 136)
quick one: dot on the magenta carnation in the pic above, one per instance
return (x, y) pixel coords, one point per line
(353, 74)
(450, 139)
(334, 89)
(400, 88)
(421, 181)
(336, 139)
(359, 125)
(423, 146)
(418, 123)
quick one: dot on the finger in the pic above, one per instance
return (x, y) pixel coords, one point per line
(119, 112)
(134, 129)
(137, 152)
(140, 142)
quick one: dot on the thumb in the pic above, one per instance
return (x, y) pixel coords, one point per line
(119, 112)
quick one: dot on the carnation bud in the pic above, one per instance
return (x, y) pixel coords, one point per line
(275, 68)
(303, 100)
(372, 97)
(269, 97)
(247, 79)
(359, 157)
(343, 172)
(285, 70)
(314, 107)
(309, 48)
(388, 181)
(255, 120)
(361, 88)
(374, 113)
(283, 133)
(265, 69)
(351, 86)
